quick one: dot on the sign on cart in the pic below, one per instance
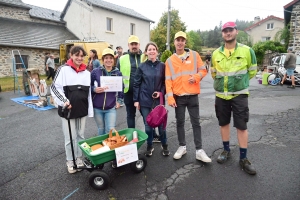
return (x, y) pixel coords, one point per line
(126, 154)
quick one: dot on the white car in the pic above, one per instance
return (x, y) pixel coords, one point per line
(279, 61)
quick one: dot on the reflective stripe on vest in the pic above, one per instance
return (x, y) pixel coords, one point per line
(174, 76)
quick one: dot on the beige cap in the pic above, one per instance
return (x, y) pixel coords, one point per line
(107, 51)
(180, 34)
(133, 38)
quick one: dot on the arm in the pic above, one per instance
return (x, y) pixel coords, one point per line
(287, 58)
(90, 109)
(120, 94)
(213, 70)
(57, 90)
(169, 84)
(163, 88)
(97, 63)
(137, 84)
(252, 67)
(93, 79)
(201, 70)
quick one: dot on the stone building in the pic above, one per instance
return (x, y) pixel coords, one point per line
(292, 17)
(33, 31)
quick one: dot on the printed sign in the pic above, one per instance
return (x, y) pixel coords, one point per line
(112, 83)
(126, 154)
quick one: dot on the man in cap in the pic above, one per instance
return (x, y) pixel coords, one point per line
(184, 71)
(290, 66)
(233, 65)
(119, 53)
(50, 67)
(128, 64)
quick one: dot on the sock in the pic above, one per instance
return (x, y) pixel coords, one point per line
(243, 153)
(226, 146)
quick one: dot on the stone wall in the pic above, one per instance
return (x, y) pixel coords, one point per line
(295, 17)
(22, 14)
(36, 58)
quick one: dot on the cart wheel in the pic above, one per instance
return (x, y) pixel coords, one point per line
(139, 165)
(99, 180)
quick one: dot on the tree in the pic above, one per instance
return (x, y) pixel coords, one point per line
(159, 33)
(283, 35)
(195, 41)
(270, 46)
(242, 37)
(165, 55)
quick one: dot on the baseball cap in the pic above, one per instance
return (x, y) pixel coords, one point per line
(180, 34)
(108, 51)
(118, 47)
(133, 38)
(290, 49)
(229, 25)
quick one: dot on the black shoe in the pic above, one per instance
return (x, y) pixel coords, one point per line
(223, 156)
(156, 137)
(247, 167)
(114, 164)
(291, 86)
(149, 151)
(165, 150)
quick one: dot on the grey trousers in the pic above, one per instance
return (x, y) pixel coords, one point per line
(190, 102)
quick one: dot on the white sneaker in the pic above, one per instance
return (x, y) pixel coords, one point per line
(70, 165)
(180, 152)
(201, 155)
(79, 163)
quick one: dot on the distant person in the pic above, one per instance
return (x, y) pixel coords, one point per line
(290, 66)
(233, 65)
(184, 72)
(47, 55)
(119, 53)
(207, 60)
(148, 86)
(93, 61)
(50, 67)
(71, 89)
(128, 65)
(105, 103)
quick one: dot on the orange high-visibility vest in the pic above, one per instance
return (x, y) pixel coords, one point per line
(178, 71)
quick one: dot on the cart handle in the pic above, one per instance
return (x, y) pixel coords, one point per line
(69, 111)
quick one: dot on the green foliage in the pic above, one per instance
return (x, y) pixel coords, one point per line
(165, 55)
(261, 48)
(194, 40)
(159, 33)
(242, 25)
(283, 35)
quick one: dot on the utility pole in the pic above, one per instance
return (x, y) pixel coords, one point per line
(168, 26)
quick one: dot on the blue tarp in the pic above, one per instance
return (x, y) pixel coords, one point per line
(20, 100)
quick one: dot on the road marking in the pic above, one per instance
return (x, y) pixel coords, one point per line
(70, 194)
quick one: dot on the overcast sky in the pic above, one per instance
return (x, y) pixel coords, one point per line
(197, 14)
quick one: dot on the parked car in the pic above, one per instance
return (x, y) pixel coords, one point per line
(279, 61)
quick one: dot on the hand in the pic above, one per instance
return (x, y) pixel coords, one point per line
(117, 105)
(192, 79)
(100, 89)
(173, 105)
(137, 105)
(47, 69)
(155, 95)
(67, 105)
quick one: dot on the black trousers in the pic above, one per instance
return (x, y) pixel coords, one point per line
(51, 73)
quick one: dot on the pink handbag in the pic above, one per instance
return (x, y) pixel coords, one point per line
(158, 115)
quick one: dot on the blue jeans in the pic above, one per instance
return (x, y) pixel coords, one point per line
(105, 120)
(149, 130)
(130, 110)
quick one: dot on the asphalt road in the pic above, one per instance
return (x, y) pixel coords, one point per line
(33, 159)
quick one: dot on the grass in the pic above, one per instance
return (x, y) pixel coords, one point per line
(7, 83)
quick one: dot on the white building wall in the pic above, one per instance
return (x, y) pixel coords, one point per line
(88, 21)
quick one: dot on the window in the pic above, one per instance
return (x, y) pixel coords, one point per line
(18, 62)
(270, 26)
(109, 24)
(263, 39)
(132, 29)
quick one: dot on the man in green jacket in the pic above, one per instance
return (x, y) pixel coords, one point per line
(233, 65)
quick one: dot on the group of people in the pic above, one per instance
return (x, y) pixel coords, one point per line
(146, 80)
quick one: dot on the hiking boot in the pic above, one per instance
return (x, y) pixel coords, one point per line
(180, 152)
(70, 165)
(291, 86)
(201, 155)
(165, 150)
(247, 167)
(223, 156)
(79, 163)
(149, 151)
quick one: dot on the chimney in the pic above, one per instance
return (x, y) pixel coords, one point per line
(256, 19)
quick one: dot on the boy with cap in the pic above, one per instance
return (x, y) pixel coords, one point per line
(233, 65)
(184, 71)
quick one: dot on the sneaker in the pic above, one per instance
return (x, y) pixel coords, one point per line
(114, 164)
(291, 86)
(247, 167)
(156, 138)
(223, 156)
(180, 152)
(201, 155)
(79, 163)
(149, 151)
(122, 104)
(70, 165)
(165, 150)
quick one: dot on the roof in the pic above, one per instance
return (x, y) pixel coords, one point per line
(263, 21)
(31, 34)
(111, 7)
(45, 13)
(288, 8)
(15, 3)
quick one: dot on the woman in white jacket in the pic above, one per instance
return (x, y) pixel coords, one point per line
(71, 89)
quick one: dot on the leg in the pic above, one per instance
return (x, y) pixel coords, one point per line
(131, 110)
(162, 135)
(193, 108)
(293, 79)
(110, 119)
(149, 130)
(283, 79)
(80, 127)
(180, 119)
(99, 119)
(52, 73)
(65, 129)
